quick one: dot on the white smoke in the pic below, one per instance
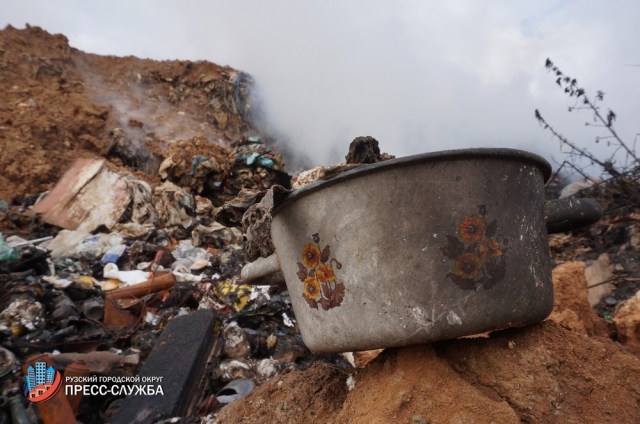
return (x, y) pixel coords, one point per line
(417, 75)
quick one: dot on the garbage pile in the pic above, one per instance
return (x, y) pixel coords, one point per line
(127, 280)
(123, 260)
(122, 197)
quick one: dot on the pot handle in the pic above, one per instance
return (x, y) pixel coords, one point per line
(570, 214)
(263, 272)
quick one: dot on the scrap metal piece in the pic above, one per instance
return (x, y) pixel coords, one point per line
(119, 304)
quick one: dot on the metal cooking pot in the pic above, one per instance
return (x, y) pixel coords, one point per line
(421, 248)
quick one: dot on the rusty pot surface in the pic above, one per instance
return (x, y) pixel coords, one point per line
(419, 249)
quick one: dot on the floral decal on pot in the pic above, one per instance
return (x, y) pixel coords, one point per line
(479, 255)
(321, 286)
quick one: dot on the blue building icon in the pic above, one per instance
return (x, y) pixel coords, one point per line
(51, 375)
(39, 379)
(31, 378)
(41, 373)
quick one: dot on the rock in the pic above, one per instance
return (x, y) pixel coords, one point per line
(611, 301)
(627, 322)
(596, 275)
(362, 358)
(570, 293)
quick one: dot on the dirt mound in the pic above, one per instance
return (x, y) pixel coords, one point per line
(539, 374)
(60, 104)
(312, 396)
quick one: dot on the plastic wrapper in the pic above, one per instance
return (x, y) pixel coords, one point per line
(130, 278)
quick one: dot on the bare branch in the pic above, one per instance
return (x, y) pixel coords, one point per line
(582, 101)
(583, 152)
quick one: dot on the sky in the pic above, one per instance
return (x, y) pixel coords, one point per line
(419, 76)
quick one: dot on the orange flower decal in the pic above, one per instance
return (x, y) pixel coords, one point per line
(467, 265)
(489, 249)
(311, 288)
(325, 273)
(321, 286)
(471, 229)
(479, 254)
(311, 255)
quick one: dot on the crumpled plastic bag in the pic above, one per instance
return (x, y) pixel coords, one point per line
(6, 252)
(79, 244)
(130, 278)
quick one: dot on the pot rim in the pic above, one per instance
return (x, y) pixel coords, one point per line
(521, 155)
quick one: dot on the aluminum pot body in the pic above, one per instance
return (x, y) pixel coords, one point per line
(425, 248)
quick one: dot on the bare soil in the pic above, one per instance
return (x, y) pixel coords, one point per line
(539, 374)
(60, 104)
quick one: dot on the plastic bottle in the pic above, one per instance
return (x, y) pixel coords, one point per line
(113, 254)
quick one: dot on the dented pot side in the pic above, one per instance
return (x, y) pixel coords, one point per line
(418, 251)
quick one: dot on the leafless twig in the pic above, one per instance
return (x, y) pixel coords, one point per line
(622, 186)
